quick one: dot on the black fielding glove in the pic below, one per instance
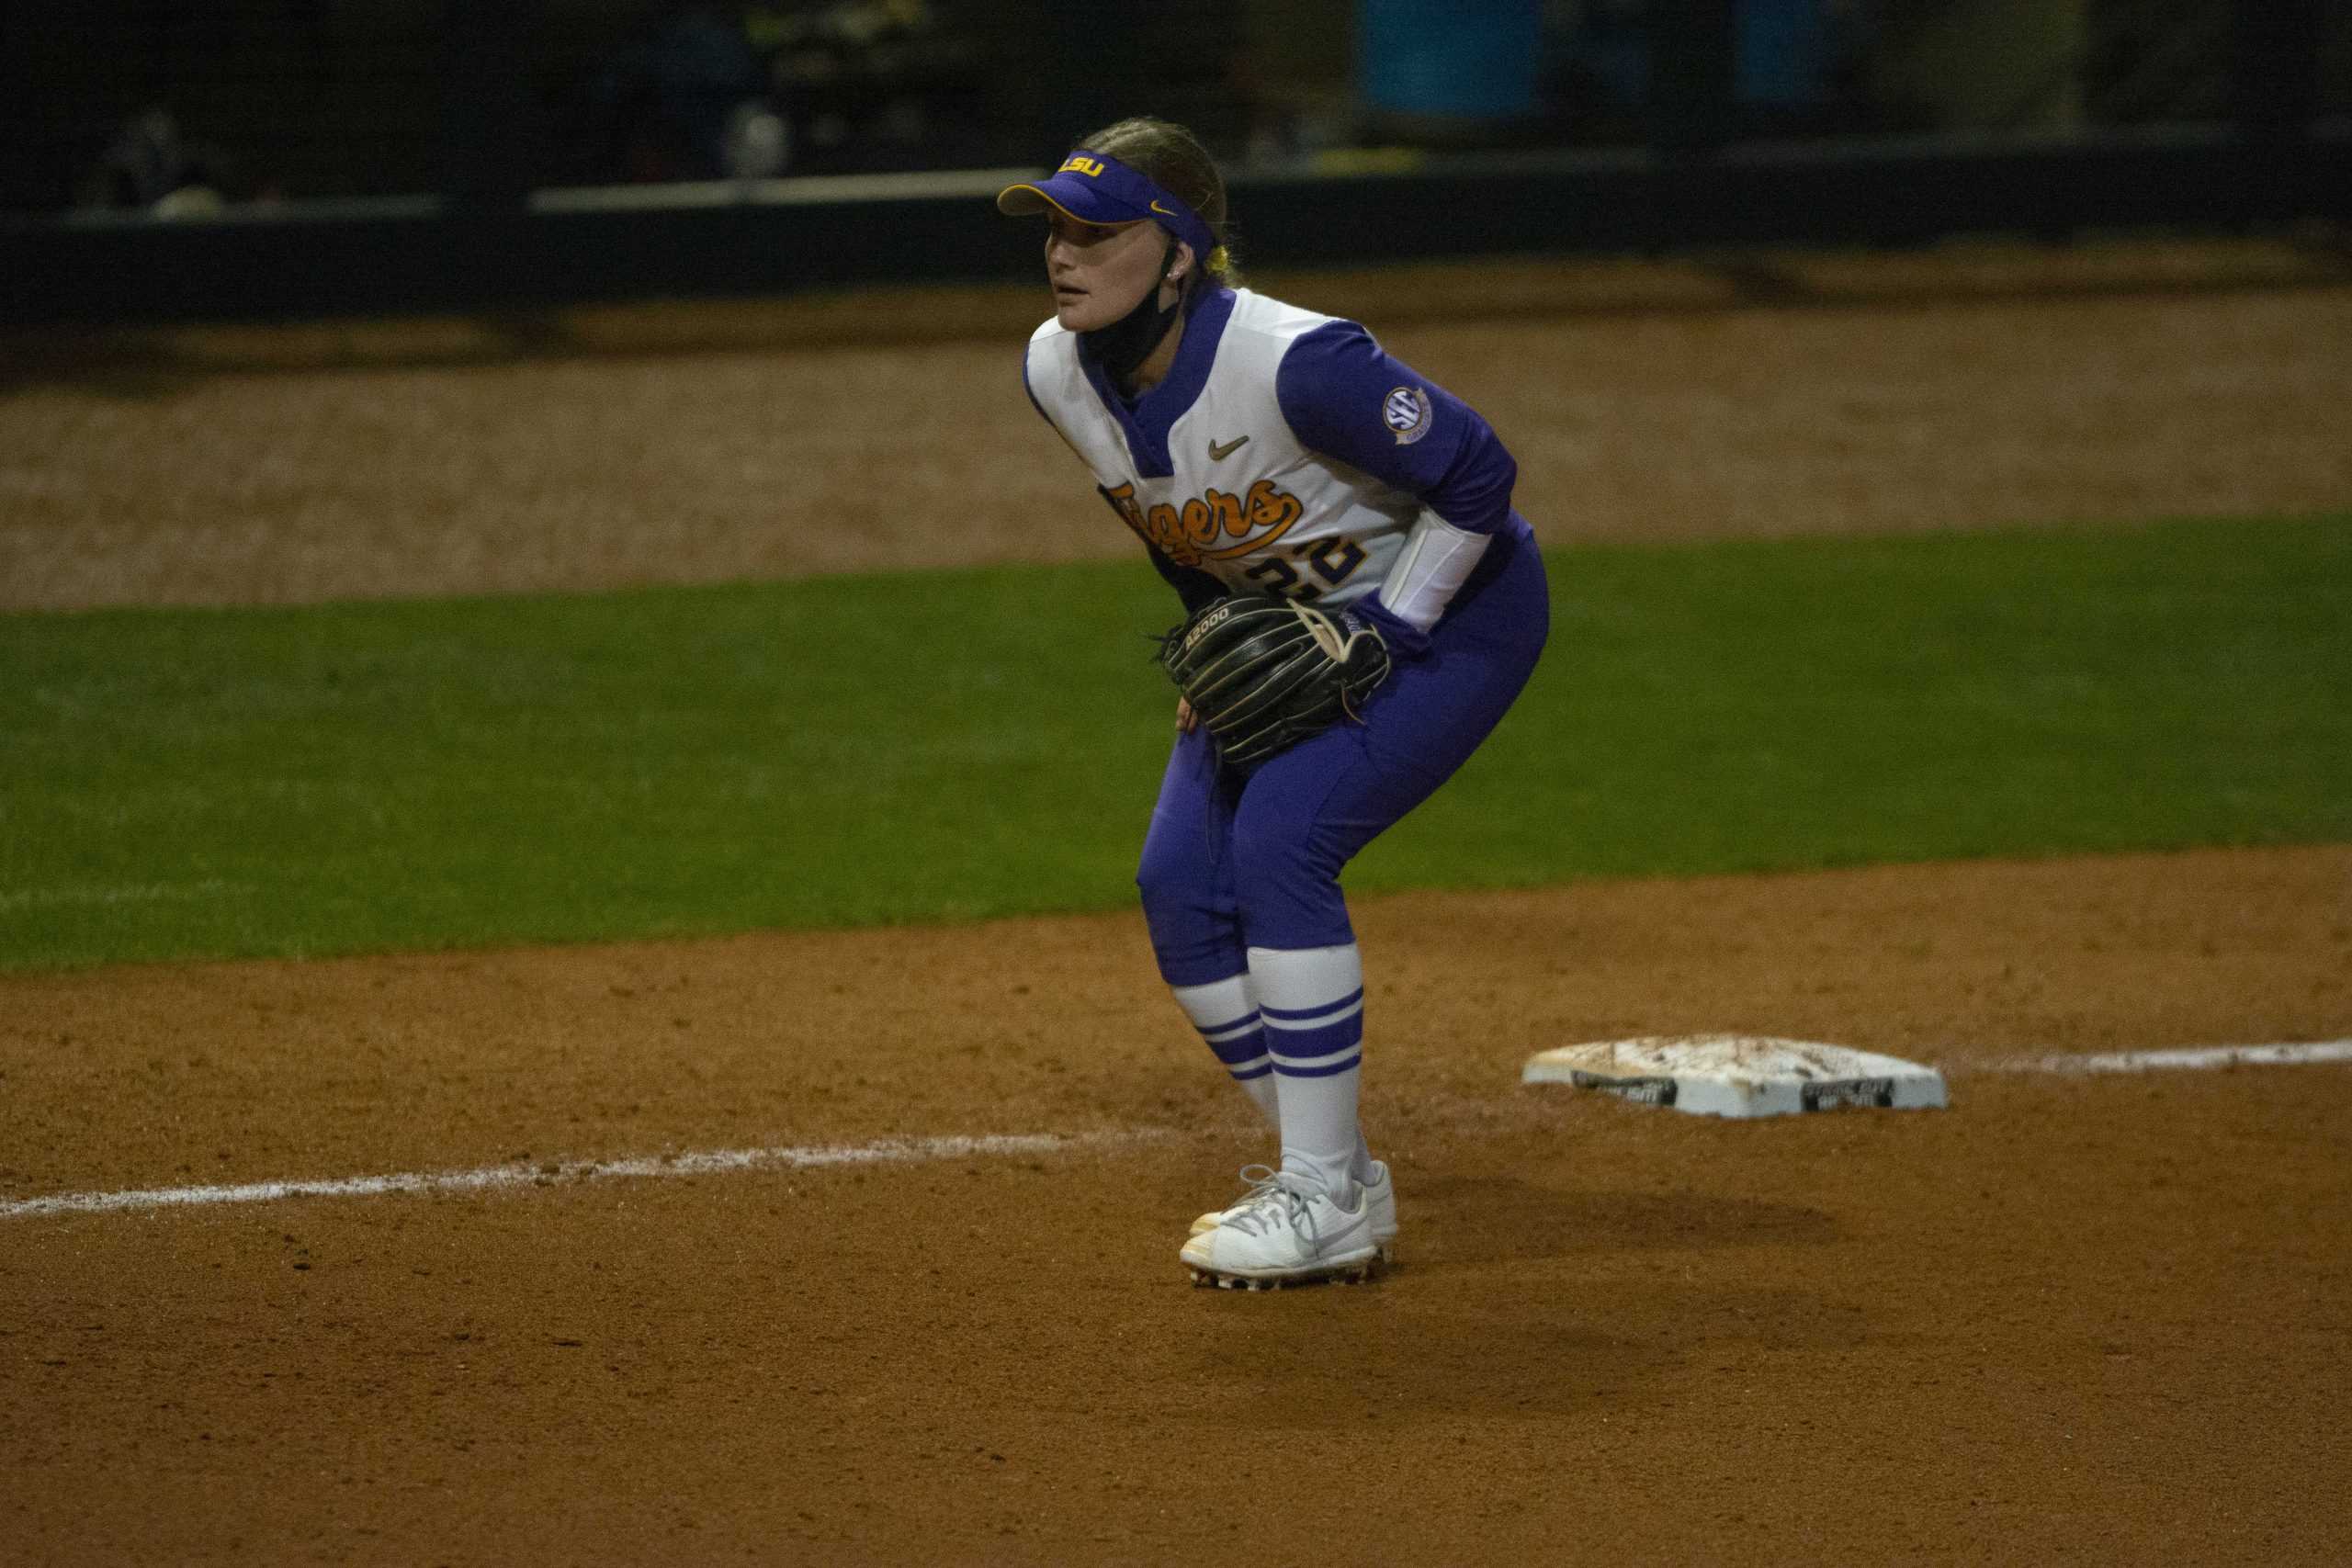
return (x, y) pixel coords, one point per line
(1264, 673)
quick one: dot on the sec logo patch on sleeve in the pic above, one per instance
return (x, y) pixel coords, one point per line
(1405, 413)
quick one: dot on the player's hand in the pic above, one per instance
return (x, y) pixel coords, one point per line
(1185, 718)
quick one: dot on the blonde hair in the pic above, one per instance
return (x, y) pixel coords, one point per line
(1174, 160)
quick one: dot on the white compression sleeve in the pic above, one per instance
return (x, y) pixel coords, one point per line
(1435, 562)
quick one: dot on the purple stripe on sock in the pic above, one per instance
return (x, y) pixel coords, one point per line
(1253, 1072)
(1354, 995)
(1299, 1044)
(1221, 1027)
(1242, 1047)
(1335, 1067)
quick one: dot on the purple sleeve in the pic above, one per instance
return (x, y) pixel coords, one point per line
(1405, 640)
(1346, 398)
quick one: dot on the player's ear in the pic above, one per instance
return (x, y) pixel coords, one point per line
(1179, 265)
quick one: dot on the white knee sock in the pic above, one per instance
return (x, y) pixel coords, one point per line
(1311, 1000)
(1226, 1015)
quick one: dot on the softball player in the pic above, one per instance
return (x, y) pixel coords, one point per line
(1255, 446)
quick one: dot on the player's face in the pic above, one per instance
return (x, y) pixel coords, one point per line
(1100, 271)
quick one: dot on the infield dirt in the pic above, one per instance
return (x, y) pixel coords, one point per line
(2100, 1319)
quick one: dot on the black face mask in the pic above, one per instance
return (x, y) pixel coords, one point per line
(1128, 341)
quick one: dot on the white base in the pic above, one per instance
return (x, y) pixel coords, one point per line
(1740, 1075)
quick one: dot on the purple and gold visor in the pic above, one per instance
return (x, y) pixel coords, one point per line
(1096, 189)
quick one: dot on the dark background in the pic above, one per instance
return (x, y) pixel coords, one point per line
(225, 157)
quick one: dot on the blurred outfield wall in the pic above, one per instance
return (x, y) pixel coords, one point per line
(274, 157)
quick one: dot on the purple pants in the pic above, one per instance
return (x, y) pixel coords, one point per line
(1235, 861)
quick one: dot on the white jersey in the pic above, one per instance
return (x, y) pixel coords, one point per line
(1227, 486)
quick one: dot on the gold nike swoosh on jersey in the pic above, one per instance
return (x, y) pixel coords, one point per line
(1219, 450)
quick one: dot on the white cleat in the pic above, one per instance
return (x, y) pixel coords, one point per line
(1380, 1194)
(1286, 1232)
(1259, 1178)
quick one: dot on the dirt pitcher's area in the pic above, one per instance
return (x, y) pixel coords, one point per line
(2098, 1318)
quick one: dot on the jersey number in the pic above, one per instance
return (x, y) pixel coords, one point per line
(1329, 563)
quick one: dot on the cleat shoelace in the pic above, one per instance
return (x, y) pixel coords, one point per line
(1259, 1180)
(1275, 1200)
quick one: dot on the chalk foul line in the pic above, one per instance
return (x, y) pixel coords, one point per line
(2194, 1058)
(918, 1151)
(493, 1178)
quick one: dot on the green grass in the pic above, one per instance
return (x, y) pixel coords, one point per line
(939, 746)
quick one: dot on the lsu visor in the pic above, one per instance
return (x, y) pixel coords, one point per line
(1093, 188)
